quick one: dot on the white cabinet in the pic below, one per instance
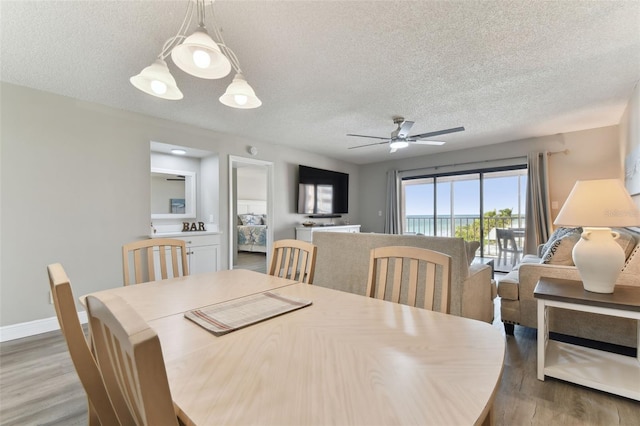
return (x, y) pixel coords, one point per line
(203, 250)
(305, 233)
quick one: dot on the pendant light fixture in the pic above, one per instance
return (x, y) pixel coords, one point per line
(156, 80)
(200, 55)
(240, 95)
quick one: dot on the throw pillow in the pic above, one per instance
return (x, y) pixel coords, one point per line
(557, 234)
(626, 241)
(560, 251)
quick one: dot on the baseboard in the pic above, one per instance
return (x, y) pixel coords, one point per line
(32, 328)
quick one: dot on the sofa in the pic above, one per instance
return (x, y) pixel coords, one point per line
(519, 307)
(342, 263)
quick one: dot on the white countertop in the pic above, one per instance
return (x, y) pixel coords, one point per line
(182, 234)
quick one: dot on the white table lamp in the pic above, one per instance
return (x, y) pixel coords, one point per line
(598, 205)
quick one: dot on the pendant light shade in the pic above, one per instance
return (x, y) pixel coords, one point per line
(156, 80)
(240, 95)
(200, 56)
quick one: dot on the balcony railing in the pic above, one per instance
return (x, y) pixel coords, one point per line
(464, 226)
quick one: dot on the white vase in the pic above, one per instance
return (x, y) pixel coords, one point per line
(599, 259)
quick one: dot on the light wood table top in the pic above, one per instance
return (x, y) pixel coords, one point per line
(167, 297)
(346, 359)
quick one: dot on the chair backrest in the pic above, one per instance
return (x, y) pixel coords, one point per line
(506, 239)
(156, 251)
(130, 358)
(293, 259)
(81, 356)
(420, 261)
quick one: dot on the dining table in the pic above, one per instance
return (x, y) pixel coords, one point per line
(345, 359)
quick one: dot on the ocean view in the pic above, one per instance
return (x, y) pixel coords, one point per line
(446, 225)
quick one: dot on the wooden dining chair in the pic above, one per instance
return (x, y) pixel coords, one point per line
(293, 259)
(156, 252)
(101, 410)
(420, 262)
(130, 358)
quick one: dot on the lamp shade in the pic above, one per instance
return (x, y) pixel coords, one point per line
(598, 203)
(156, 80)
(240, 95)
(200, 56)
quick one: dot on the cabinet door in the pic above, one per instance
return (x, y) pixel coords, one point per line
(304, 235)
(203, 259)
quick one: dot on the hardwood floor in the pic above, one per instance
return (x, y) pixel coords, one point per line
(39, 386)
(253, 261)
(38, 383)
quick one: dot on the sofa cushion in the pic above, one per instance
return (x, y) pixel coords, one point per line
(560, 251)
(528, 258)
(508, 286)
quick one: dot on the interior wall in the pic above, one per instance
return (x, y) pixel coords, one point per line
(75, 187)
(630, 131)
(252, 183)
(592, 154)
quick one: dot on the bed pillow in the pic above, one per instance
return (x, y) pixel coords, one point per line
(560, 250)
(250, 219)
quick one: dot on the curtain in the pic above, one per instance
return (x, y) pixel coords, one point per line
(538, 209)
(393, 222)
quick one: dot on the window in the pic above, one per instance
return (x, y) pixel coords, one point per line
(453, 204)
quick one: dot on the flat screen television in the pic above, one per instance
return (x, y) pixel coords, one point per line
(322, 192)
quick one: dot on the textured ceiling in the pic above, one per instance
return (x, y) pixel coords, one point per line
(504, 70)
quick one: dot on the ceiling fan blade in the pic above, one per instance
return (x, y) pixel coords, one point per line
(404, 128)
(369, 144)
(436, 133)
(436, 143)
(365, 136)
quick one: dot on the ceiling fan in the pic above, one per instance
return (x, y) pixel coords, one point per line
(399, 138)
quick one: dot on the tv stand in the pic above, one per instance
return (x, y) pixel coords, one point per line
(305, 233)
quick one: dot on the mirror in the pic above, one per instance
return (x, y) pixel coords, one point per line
(173, 194)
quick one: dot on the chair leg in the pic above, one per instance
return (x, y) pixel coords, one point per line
(508, 328)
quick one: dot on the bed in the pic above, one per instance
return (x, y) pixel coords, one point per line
(252, 226)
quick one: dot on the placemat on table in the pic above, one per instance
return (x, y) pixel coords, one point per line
(228, 316)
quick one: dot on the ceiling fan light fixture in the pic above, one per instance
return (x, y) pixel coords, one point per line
(240, 95)
(200, 56)
(156, 80)
(398, 144)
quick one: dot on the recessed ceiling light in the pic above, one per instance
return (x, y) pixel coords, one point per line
(178, 151)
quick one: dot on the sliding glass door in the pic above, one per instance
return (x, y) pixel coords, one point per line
(467, 205)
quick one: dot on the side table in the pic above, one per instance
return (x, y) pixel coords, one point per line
(609, 372)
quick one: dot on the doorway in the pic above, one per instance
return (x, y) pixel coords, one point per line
(250, 213)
